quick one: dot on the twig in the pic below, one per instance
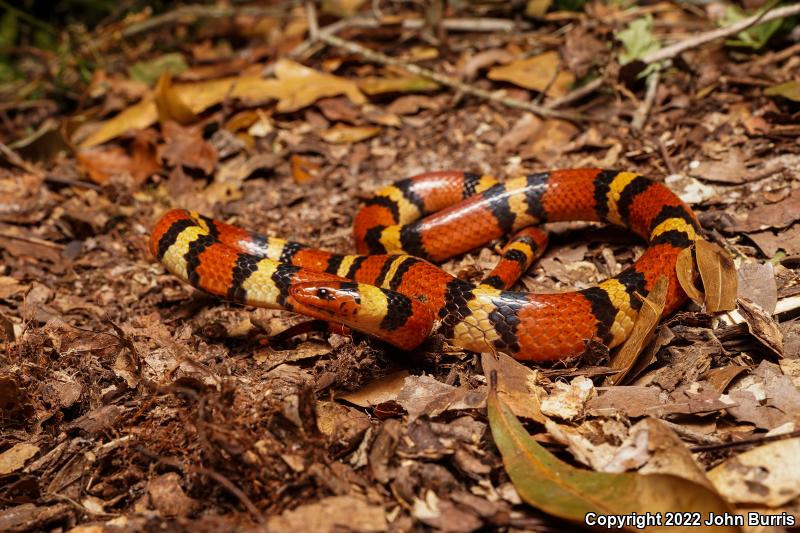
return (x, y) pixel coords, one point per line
(643, 111)
(441, 79)
(577, 94)
(745, 442)
(702, 38)
(313, 25)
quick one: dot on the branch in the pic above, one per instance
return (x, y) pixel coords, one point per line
(702, 38)
(441, 79)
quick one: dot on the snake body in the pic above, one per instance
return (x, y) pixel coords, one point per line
(392, 290)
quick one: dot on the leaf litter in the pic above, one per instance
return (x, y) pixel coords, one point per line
(145, 404)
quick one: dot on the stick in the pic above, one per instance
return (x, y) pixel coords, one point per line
(441, 79)
(577, 94)
(643, 111)
(702, 38)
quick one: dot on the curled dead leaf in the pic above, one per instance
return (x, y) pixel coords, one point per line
(684, 268)
(643, 329)
(718, 273)
(541, 73)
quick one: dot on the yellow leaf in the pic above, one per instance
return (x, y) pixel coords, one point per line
(295, 87)
(349, 134)
(400, 84)
(170, 104)
(136, 117)
(539, 73)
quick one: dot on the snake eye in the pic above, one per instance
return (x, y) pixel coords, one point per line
(324, 294)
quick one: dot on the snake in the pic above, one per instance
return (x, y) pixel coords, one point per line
(392, 289)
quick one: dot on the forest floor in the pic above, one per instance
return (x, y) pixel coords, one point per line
(129, 400)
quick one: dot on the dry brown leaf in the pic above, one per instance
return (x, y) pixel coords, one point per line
(302, 169)
(718, 274)
(539, 73)
(643, 329)
(766, 475)
(787, 240)
(15, 457)
(550, 141)
(328, 515)
(517, 385)
(719, 378)
(379, 391)
(684, 268)
(102, 162)
(756, 282)
(522, 130)
(762, 326)
(185, 146)
(340, 134)
(777, 215)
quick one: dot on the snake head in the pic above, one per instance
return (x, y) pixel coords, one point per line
(385, 314)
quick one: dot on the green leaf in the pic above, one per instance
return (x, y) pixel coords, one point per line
(754, 37)
(637, 40)
(149, 71)
(557, 488)
(790, 90)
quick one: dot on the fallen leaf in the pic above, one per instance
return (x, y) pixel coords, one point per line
(102, 162)
(731, 169)
(170, 104)
(523, 130)
(537, 8)
(15, 457)
(762, 326)
(550, 141)
(379, 391)
(349, 134)
(149, 71)
(542, 73)
(167, 496)
(296, 86)
(557, 488)
(685, 269)
(331, 514)
(185, 146)
(789, 90)
(775, 215)
(642, 332)
(718, 273)
(373, 85)
(302, 169)
(517, 385)
(756, 282)
(787, 240)
(136, 117)
(766, 475)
